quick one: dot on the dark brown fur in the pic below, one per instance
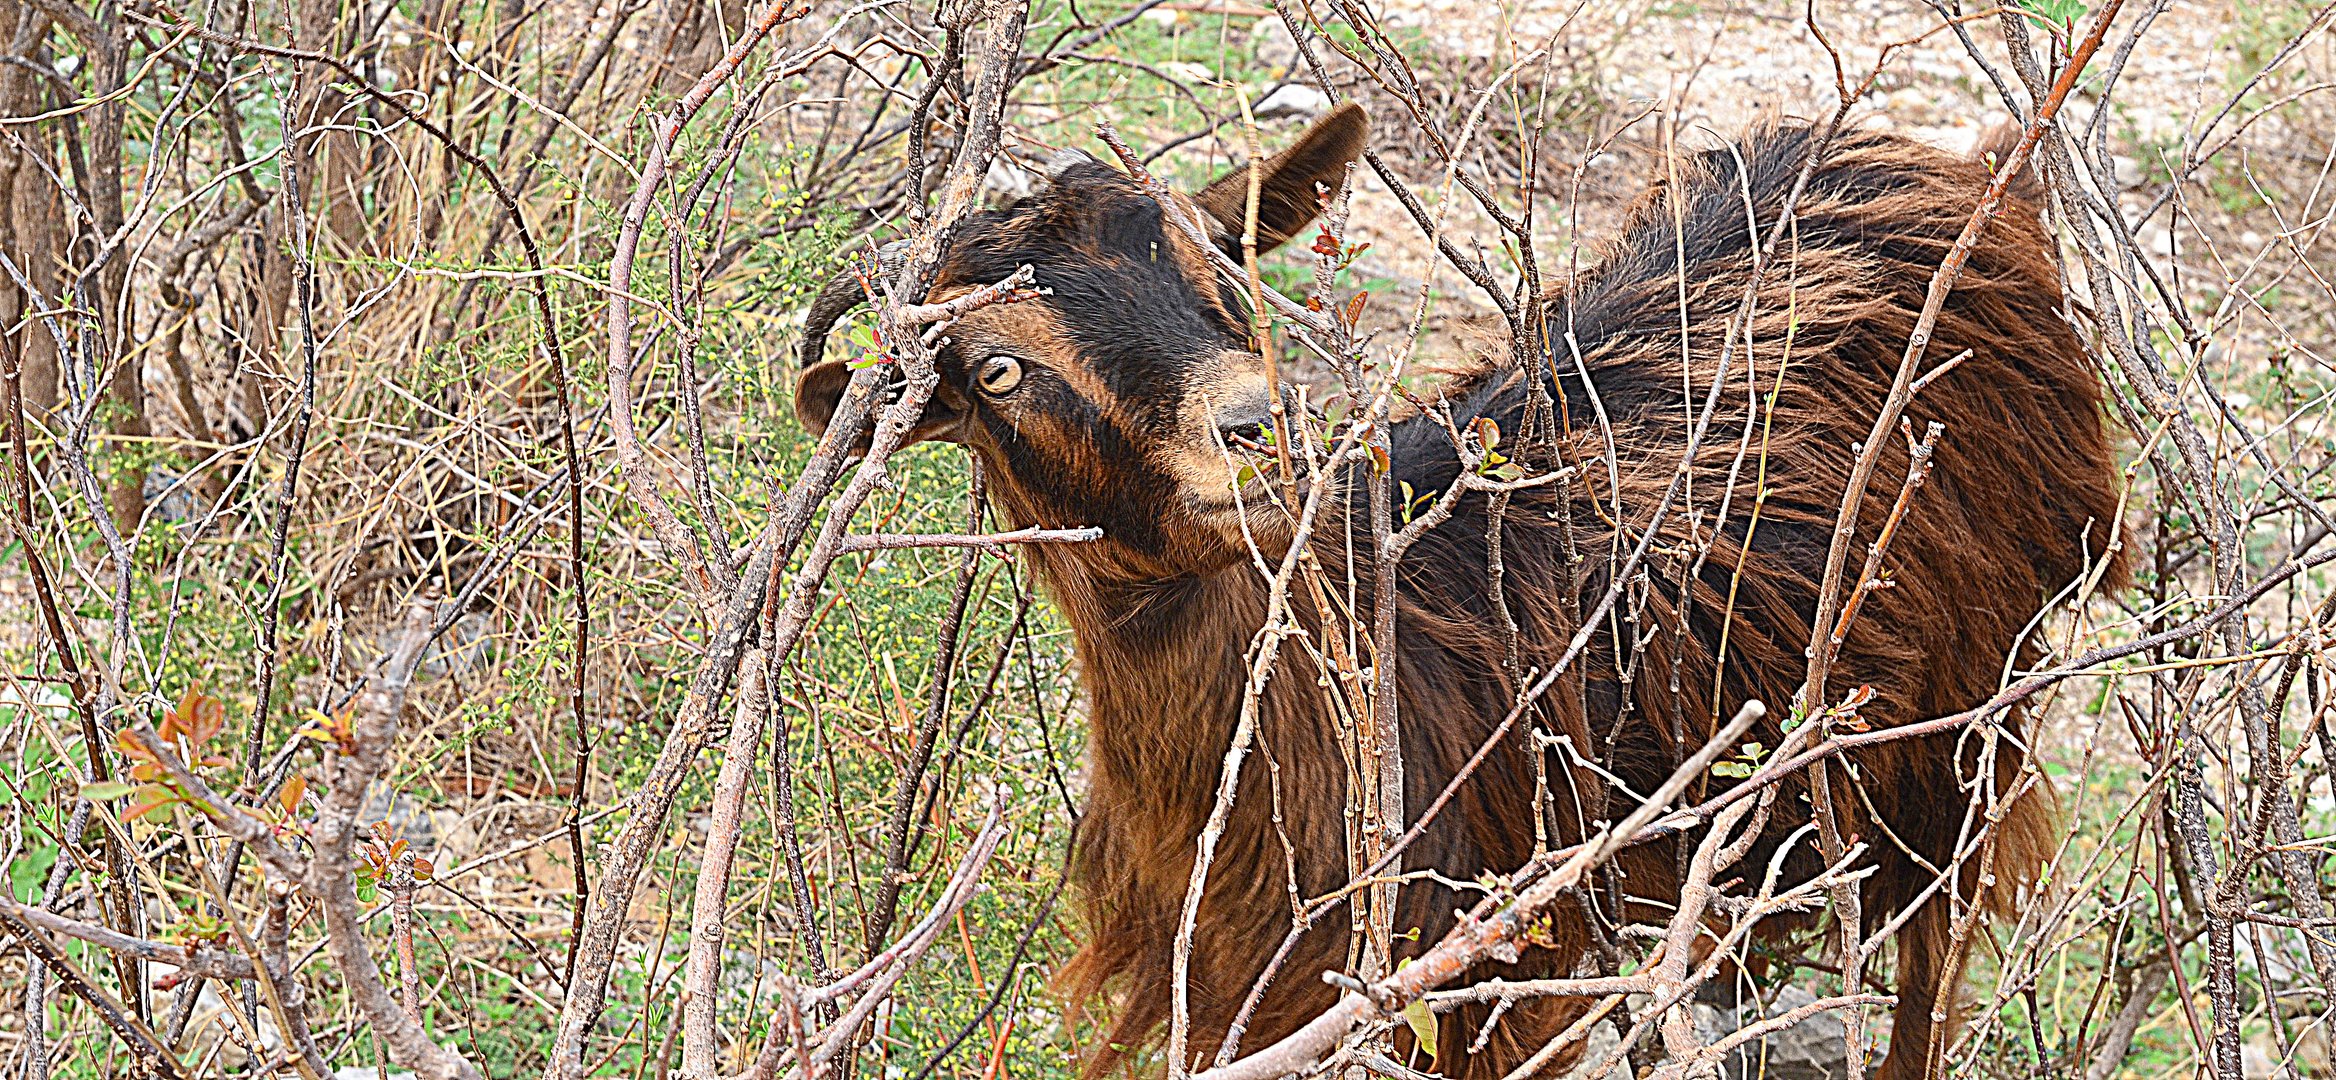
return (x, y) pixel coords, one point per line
(2020, 504)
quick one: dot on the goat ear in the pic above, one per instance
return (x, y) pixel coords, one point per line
(1286, 198)
(819, 391)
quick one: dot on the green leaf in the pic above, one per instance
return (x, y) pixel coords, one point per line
(2059, 11)
(110, 789)
(1423, 1025)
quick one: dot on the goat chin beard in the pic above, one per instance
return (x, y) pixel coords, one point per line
(1241, 496)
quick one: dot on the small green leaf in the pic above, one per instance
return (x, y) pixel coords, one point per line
(110, 789)
(2059, 11)
(1423, 1025)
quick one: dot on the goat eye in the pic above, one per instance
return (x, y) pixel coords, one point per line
(999, 375)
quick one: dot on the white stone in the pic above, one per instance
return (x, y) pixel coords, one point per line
(1960, 139)
(2156, 240)
(1810, 1050)
(2129, 171)
(1270, 42)
(1292, 99)
(1188, 71)
(1008, 179)
(368, 1072)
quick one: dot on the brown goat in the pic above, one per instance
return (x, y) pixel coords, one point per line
(1102, 403)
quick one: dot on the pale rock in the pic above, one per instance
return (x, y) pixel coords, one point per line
(1270, 42)
(1188, 71)
(1810, 1050)
(2156, 240)
(1961, 139)
(1931, 67)
(172, 497)
(1008, 180)
(2129, 171)
(368, 1072)
(407, 819)
(2077, 113)
(1292, 99)
(1909, 100)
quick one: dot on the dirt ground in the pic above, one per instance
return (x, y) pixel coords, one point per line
(1706, 72)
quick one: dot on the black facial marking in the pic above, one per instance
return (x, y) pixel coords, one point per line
(1100, 245)
(1126, 502)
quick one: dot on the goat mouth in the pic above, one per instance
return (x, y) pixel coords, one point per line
(1249, 479)
(1248, 446)
(1237, 459)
